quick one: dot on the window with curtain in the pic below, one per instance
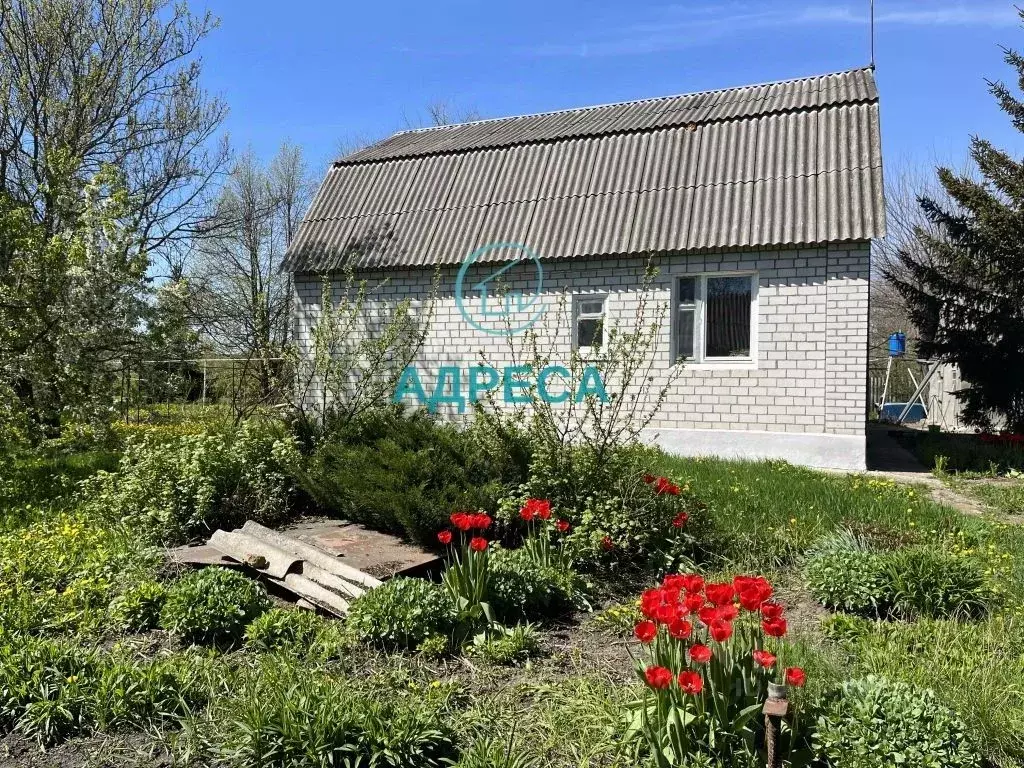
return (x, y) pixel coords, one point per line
(713, 317)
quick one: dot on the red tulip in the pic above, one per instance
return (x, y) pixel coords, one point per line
(707, 614)
(771, 611)
(691, 682)
(667, 613)
(774, 627)
(680, 520)
(693, 602)
(764, 658)
(693, 583)
(562, 526)
(478, 543)
(680, 629)
(720, 594)
(445, 537)
(700, 654)
(462, 521)
(658, 677)
(674, 581)
(645, 631)
(720, 630)
(796, 677)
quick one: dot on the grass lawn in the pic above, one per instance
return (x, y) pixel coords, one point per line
(1004, 495)
(122, 697)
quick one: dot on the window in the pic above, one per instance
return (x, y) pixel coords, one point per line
(589, 322)
(714, 318)
(686, 315)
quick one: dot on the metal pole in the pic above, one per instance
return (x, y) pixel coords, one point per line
(885, 386)
(921, 398)
(872, 34)
(204, 382)
(917, 393)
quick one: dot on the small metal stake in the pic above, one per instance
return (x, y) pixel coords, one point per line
(774, 710)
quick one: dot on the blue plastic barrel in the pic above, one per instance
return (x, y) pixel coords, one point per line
(898, 344)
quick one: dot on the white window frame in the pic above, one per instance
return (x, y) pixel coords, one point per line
(578, 300)
(700, 359)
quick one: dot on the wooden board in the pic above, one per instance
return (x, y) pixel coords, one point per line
(378, 554)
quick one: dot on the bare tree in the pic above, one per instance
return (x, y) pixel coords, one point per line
(438, 113)
(906, 185)
(240, 297)
(109, 82)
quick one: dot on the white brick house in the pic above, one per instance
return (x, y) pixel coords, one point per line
(756, 205)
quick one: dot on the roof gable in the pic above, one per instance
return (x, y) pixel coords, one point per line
(797, 162)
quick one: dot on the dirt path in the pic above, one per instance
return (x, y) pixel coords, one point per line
(941, 493)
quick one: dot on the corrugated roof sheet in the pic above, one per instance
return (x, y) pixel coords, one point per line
(791, 163)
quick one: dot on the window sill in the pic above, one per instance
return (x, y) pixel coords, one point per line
(718, 365)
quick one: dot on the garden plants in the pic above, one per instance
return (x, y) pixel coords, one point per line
(709, 652)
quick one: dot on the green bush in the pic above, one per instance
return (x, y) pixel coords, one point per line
(212, 606)
(52, 690)
(60, 573)
(874, 723)
(138, 608)
(849, 580)
(282, 716)
(281, 628)
(403, 474)
(510, 646)
(520, 589)
(174, 489)
(906, 583)
(929, 582)
(401, 614)
(616, 515)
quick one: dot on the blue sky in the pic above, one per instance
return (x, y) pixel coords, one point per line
(323, 73)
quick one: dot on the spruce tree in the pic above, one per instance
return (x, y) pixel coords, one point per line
(965, 288)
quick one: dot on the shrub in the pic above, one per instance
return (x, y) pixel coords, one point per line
(518, 588)
(138, 608)
(52, 690)
(282, 716)
(908, 583)
(173, 490)
(621, 514)
(434, 647)
(402, 613)
(402, 474)
(61, 572)
(281, 628)
(213, 605)
(849, 580)
(504, 647)
(929, 582)
(874, 723)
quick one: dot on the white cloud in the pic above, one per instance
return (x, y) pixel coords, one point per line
(681, 27)
(976, 14)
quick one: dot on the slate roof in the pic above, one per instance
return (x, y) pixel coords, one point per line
(782, 164)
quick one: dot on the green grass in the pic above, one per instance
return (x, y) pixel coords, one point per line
(958, 452)
(1006, 497)
(59, 569)
(771, 511)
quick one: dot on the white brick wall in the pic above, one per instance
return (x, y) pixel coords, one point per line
(810, 373)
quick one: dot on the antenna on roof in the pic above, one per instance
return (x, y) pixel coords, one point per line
(872, 34)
